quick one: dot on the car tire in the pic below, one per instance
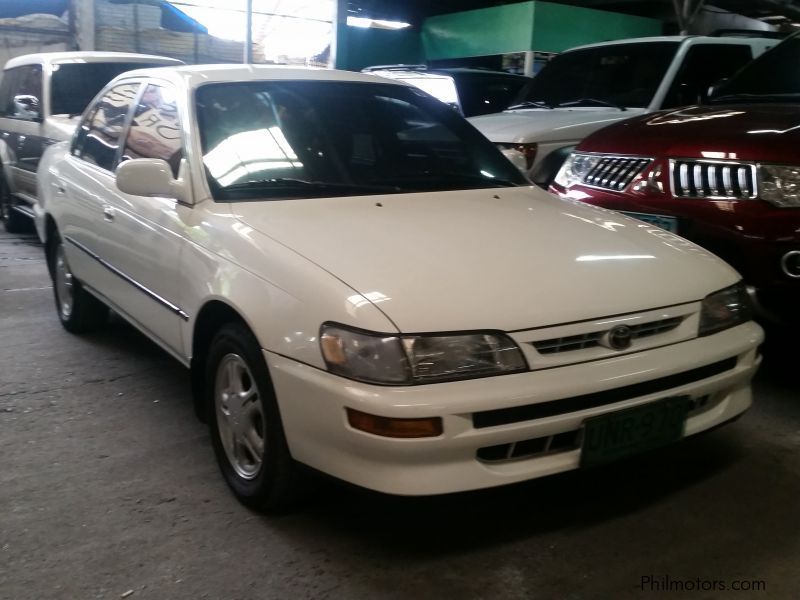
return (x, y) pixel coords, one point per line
(77, 309)
(245, 423)
(13, 221)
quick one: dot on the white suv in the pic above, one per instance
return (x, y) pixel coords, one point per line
(40, 96)
(587, 88)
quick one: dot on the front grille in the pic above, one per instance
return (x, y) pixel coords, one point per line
(710, 179)
(615, 172)
(589, 340)
(529, 412)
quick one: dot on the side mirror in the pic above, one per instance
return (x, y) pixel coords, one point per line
(150, 177)
(516, 158)
(715, 87)
(27, 106)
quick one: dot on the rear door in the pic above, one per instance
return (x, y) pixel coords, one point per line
(85, 183)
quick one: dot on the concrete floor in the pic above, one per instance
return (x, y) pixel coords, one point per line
(109, 489)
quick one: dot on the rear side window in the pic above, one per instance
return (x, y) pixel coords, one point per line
(21, 92)
(155, 131)
(98, 137)
(704, 65)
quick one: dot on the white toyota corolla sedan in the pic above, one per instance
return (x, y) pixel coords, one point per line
(361, 283)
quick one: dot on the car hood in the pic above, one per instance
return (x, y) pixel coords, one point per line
(763, 132)
(507, 259)
(548, 125)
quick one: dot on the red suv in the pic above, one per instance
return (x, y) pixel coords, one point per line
(725, 175)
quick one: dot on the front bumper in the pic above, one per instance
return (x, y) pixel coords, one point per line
(312, 404)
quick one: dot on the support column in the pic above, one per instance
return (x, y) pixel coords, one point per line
(83, 19)
(339, 59)
(248, 38)
(528, 68)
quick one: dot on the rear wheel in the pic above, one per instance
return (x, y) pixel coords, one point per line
(78, 310)
(245, 423)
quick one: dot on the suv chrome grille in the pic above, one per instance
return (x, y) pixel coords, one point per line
(615, 172)
(713, 179)
(589, 340)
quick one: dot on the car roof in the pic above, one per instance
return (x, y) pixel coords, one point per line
(195, 75)
(401, 69)
(672, 38)
(45, 58)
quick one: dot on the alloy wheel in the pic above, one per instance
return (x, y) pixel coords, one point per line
(240, 416)
(65, 290)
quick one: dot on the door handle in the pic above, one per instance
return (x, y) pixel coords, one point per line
(108, 213)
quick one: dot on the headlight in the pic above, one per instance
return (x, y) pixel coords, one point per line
(724, 309)
(575, 168)
(406, 360)
(780, 185)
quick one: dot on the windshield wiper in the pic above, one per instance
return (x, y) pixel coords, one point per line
(580, 101)
(449, 176)
(281, 184)
(531, 104)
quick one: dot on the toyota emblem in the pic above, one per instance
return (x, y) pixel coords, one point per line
(620, 337)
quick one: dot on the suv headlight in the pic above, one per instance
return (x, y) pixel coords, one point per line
(575, 168)
(413, 359)
(724, 309)
(780, 185)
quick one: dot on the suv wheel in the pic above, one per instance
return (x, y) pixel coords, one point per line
(245, 423)
(78, 310)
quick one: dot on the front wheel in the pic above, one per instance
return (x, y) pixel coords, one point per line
(245, 423)
(78, 310)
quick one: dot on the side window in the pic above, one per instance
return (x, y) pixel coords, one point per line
(704, 65)
(8, 84)
(21, 92)
(97, 140)
(155, 131)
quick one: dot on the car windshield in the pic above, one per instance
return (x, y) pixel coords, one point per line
(619, 75)
(487, 93)
(295, 139)
(772, 77)
(73, 85)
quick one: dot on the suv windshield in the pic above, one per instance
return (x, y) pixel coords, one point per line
(616, 75)
(73, 85)
(295, 139)
(772, 77)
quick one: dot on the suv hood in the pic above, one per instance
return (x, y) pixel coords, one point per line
(756, 132)
(510, 258)
(548, 125)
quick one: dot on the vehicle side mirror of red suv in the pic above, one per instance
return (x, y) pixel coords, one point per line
(715, 87)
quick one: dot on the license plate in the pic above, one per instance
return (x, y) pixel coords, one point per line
(663, 221)
(609, 437)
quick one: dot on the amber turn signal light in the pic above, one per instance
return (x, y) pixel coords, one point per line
(394, 428)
